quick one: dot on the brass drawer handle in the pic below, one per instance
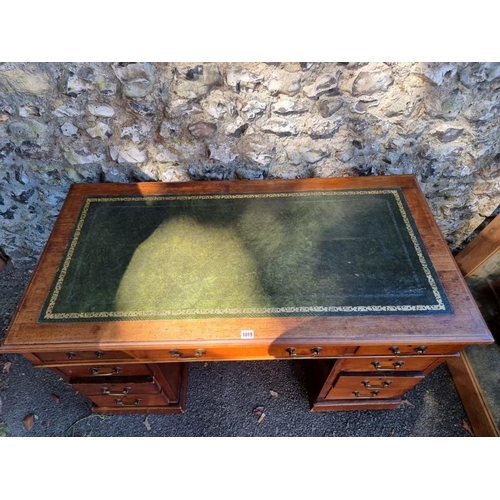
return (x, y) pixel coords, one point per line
(178, 354)
(73, 355)
(125, 391)
(419, 350)
(385, 383)
(95, 372)
(121, 403)
(293, 352)
(396, 365)
(372, 394)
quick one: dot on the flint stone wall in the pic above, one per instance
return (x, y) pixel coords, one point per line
(62, 123)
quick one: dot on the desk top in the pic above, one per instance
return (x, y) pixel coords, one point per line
(343, 260)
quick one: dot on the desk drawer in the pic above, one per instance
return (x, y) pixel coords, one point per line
(116, 386)
(162, 390)
(244, 352)
(307, 351)
(81, 356)
(131, 400)
(369, 386)
(105, 370)
(400, 364)
(400, 349)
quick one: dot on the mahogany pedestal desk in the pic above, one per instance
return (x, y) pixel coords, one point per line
(138, 280)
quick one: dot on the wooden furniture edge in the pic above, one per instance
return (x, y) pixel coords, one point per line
(347, 404)
(486, 243)
(480, 249)
(478, 412)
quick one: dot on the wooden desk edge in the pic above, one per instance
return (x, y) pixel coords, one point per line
(465, 380)
(469, 390)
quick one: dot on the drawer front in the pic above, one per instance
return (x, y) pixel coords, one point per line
(401, 349)
(308, 351)
(116, 386)
(400, 364)
(81, 356)
(130, 400)
(238, 352)
(105, 370)
(371, 386)
(65, 360)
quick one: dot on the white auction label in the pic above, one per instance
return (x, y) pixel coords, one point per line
(247, 334)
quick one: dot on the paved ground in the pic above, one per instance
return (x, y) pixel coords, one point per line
(221, 397)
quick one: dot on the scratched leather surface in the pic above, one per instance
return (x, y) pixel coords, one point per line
(347, 252)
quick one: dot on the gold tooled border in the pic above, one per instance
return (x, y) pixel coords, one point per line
(439, 306)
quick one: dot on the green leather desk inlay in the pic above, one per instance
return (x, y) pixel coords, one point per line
(348, 252)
